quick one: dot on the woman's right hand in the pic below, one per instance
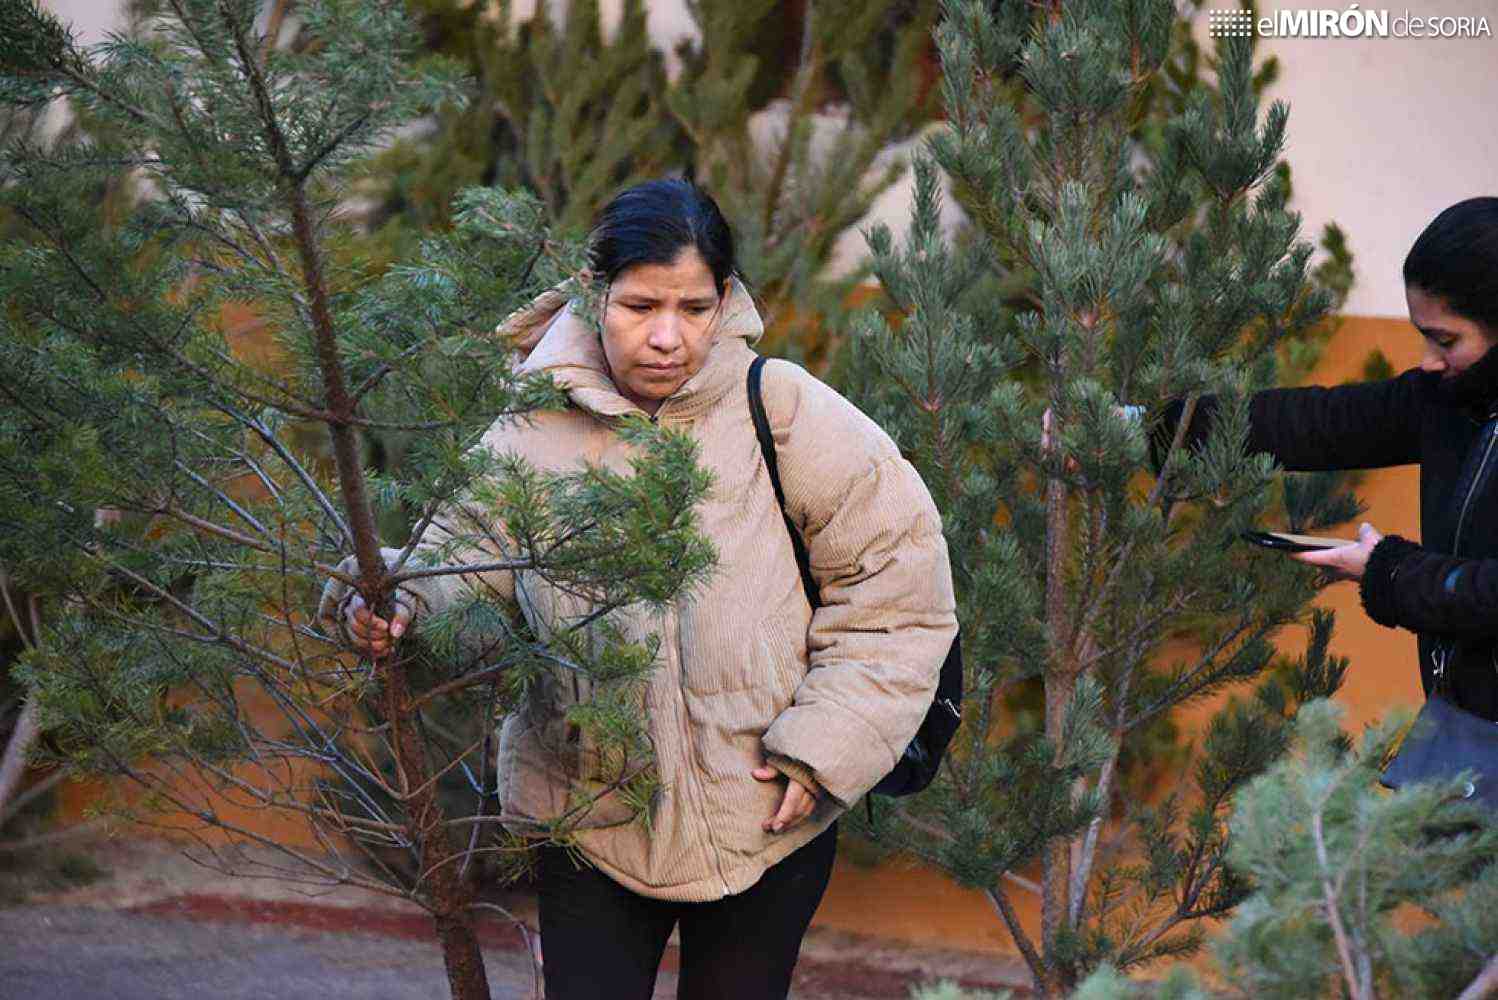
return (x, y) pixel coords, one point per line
(370, 634)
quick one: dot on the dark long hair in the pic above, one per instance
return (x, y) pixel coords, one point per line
(1456, 260)
(652, 223)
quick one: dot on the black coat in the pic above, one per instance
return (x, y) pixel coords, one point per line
(1446, 588)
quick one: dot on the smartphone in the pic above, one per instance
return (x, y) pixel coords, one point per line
(1295, 543)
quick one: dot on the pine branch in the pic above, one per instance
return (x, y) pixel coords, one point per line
(1103, 595)
(274, 443)
(1082, 863)
(1198, 678)
(331, 146)
(1333, 910)
(224, 499)
(1022, 941)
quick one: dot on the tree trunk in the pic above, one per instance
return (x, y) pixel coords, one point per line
(13, 766)
(444, 890)
(466, 977)
(1060, 684)
(28, 724)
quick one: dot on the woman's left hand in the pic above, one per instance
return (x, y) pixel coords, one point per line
(795, 806)
(1348, 561)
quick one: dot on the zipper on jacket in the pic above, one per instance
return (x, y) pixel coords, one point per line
(1461, 520)
(1442, 652)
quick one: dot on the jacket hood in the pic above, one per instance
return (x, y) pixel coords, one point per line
(551, 335)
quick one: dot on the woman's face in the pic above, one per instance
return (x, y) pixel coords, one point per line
(1453, 343)
(659, 321)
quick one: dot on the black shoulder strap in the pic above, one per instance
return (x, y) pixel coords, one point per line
(772, 465)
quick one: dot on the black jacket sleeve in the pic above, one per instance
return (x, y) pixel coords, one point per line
(1363, 426)
(1406, 586)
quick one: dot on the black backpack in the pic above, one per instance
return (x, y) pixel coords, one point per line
(917, 766)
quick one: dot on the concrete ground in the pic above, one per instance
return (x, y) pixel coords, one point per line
(82, 953)
(159, 927)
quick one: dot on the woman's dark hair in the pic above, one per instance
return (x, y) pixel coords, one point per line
(651, 223)
(1456, 260)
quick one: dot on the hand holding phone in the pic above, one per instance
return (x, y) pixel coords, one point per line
(1345, 558)
(1286, 542)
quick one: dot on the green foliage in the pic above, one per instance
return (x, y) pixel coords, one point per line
(1316, 829)
(1108, 984)
(1158, 263)
(1333, 275)
(1340, 869)
(561, 110)
(181, 484)
(792, 191)
(787, 123)
(1377, 366)
(951, 991)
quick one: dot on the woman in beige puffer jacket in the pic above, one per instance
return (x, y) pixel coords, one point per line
(767, 720)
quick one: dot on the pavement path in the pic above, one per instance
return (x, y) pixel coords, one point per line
(82, 953)
(161, 928)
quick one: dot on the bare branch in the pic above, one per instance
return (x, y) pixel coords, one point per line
(36, 791)
(225, 499)
(531, 939)
(1022, 941)
(27, 636)
(274, 444)
(13, 764)
(1333, 909)
(461, 569)
(1486, 983)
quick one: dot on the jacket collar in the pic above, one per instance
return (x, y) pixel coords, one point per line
(1476, 389)
(552, 336)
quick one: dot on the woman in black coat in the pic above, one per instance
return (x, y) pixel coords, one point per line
(1443, 416)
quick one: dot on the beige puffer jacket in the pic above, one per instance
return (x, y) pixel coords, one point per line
(747, 673)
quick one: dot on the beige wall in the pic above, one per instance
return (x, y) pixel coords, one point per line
(1386, 132)
(90, 19)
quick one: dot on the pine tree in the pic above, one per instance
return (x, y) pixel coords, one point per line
(857, 85)
(1188, 74)
(562, 109)
(1157, 271)
(1333, 858)
(786, 120)
(127, 391)
(1340, 868)
(20, 612)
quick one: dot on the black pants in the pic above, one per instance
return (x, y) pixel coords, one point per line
(600, 940)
